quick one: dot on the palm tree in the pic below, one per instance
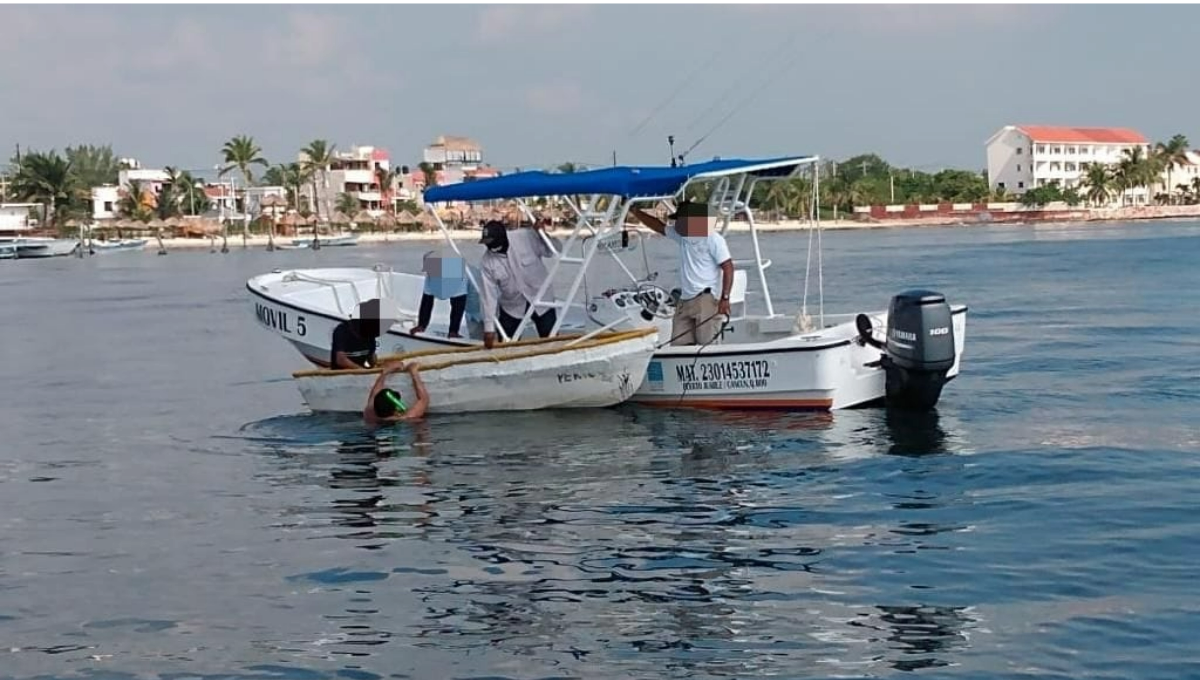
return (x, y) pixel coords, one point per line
(386, 178)
(240, 153)
(430, 174)
(1135, 170)
(1098, 181)
(137, 203)
(318, 156)
(46, 178)
(292, 177)
(347, 203)
(1172, 153)
(93, 165)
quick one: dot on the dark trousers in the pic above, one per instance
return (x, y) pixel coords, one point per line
(544, 322)
(458, 305)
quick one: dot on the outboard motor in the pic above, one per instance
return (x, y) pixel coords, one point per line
(919, 351)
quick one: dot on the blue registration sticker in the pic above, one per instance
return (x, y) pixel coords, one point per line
(654, 372)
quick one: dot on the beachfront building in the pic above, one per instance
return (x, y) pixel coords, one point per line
(449, 160)
(1021, 157)
(16, 217)
(356, 172)
(1182, 183)
(106, 197)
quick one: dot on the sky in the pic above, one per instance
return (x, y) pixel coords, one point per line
(924, 86)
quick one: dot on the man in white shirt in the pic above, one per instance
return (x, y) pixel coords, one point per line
(512, 272)
(704, 265)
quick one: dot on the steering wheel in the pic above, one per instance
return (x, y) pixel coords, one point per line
(655, 300)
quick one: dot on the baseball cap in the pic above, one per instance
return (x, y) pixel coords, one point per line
(689, 208)
(493, 230)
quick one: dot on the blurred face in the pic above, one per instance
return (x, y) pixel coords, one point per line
(444, 272)
(692, 226)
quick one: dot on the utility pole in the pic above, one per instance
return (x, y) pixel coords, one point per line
(892, 184)
(614, 158)
(864, 167)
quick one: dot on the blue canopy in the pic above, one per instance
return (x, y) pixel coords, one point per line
(624, 181)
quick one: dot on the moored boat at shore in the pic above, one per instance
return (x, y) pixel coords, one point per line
(118, 245)
(33, 247)
(339, 240)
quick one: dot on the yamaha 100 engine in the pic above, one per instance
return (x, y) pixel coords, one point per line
(919, 351)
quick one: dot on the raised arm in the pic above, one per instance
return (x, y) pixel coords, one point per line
(380, 383)
(418, 409)
(650, 221)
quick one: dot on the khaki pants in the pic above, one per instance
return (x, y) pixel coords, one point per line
(696, 321)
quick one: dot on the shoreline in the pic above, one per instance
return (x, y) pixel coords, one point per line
(260, 241)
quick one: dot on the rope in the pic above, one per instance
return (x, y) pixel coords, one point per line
(719, 334)
(332, 283)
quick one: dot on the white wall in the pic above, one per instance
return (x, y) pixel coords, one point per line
(104, 202)
(1003, 159)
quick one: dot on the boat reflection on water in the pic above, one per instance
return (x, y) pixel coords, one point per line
(678, 537)
(915, 434)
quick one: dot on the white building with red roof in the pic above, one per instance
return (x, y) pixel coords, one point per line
(1021, 157)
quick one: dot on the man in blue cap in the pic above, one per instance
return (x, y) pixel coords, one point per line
(512, 271)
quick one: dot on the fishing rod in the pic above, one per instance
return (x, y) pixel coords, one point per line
(737, 83)
(762, 86)
(670, 98)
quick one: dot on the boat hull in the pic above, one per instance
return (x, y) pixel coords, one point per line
(827, 369)
(118, 246)
(35, 248)
(518, 377)
(326, 242)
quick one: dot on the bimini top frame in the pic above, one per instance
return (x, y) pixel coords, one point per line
(733, 181)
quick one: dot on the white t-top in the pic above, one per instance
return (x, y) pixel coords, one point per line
(700, 259)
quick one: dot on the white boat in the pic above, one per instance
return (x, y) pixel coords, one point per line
(38, 246)
(326, 241)
(805, 359)
(583, 371)
(112, 246)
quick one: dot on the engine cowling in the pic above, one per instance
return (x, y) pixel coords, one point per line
(919, 350)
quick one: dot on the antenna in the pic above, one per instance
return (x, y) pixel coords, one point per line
(671, 145)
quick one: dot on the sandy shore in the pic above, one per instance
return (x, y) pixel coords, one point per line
(259, 241)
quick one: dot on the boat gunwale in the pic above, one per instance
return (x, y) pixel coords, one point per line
(600, 340)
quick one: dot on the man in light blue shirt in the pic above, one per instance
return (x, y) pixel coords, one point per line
(704, 266)
(445, 279)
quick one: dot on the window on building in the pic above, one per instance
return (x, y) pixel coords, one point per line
(108, 206)
(1041, 148)
(1085, 149)
(1070, 149)
(1018, 167)
(1020, 185)
(1000, 184)
(1019, 150)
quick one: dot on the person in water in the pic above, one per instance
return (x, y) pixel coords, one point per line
(385, 405)
(353, 343)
